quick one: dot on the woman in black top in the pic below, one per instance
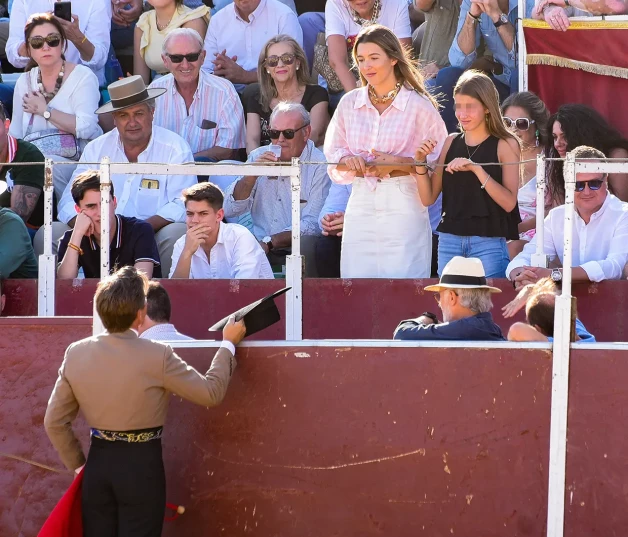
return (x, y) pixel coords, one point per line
(283, 74)
(479, 199)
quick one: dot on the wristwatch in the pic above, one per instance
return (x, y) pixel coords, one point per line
(503, 19)
(556, 275)
(47, 113)
(268, 241)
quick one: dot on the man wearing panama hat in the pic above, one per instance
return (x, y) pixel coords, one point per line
(154, 198)
(464, 297)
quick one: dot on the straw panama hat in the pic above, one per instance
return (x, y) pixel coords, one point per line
(128, 92)
(463, 273)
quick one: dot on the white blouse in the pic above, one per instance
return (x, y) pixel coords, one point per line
(393, 15)
(78, 95)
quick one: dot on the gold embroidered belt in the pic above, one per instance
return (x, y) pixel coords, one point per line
(142, 435)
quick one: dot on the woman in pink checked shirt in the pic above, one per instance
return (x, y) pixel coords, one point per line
(373, 136)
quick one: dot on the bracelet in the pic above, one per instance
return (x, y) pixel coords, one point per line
(484, 185)
(84, 38)
(75, 247)
(474, 18)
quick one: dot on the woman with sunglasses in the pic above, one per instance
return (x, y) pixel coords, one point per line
(283, 74)
(153, 27)
(576, 125)
(526, 115)
(373, 134)
(478, 174)
(54, 97)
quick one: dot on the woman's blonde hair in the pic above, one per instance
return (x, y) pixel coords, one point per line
(267, 88)
(479, 86)
(406, 70)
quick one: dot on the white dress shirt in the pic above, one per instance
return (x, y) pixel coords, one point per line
(164, 332)
(228, 31)
(94, 22)
(236, 255)
(599, 247)
(215, 99)
(78, 95)
(336, 201)
(270, 201)
(394, 15)
(137, 197)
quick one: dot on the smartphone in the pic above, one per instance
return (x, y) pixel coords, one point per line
(275, 149)
(63, 10)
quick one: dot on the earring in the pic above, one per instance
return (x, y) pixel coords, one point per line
(297, 68)
(267, 71)
(537, 137)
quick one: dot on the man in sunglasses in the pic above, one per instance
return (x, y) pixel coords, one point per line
(268, 198)
(600, 235)
(204, 109)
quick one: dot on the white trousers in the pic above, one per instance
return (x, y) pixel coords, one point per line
(387, 231)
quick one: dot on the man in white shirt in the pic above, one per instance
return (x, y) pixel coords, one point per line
(211, 248)
(203, 108)
(156, 325)
(154, 198)
(87, 33)
(600, 238)
(269, 198)
(237, 34)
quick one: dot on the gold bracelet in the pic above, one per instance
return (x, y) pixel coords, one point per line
(75, 247)
(84, 38)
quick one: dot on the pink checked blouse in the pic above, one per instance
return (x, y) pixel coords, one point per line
(357, 127)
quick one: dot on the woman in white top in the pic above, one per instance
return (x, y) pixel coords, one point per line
(526, 114)
(55, 95)
(373, 136)
(345, 18)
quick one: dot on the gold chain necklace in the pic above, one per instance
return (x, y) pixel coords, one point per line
(386, 98)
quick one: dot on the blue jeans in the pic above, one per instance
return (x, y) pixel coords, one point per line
(443, 86)
(492, 251)
(312, 24)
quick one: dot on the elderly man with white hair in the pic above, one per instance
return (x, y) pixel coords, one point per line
(464, 297)
(203, 108)
(154, 198)
(268, 198)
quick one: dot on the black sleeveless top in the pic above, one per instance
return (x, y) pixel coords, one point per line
(468, 210)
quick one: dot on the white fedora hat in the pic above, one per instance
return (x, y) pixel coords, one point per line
(463, 273)
(127, 92)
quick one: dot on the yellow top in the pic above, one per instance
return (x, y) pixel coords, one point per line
(153, 39)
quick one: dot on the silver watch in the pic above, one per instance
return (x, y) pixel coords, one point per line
(556, 275)
(268, 241)
(503, 19)
(47, 113)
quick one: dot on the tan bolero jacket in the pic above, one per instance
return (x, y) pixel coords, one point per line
(123, 383)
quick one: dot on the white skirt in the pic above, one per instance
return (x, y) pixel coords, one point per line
(387, 231)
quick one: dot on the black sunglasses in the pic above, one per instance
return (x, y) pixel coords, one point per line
(286, 59)
(594, 184)
(178, 58)
(288, 134)
(521, 123)
(37, 42)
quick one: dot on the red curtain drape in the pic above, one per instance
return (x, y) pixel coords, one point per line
(604, 44)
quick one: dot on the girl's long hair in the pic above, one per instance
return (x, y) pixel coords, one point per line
(536, 109)
(406, 69)
(267, 88)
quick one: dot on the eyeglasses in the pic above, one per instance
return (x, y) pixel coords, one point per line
(288, 134)
(437, 295)
(521, 123)
(178, 58)
(286, 59)
(37, 42)
(594, 184)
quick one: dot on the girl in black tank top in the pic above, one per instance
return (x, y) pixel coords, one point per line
(480, 210)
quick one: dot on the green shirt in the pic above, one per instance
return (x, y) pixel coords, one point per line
(17, 257)
(28, 176)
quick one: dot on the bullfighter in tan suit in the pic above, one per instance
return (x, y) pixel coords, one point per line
(122, 385)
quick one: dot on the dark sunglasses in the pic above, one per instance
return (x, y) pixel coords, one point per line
(286, 59)
(288, 134)
(37, 42)
(594, 184)
(178, 58)
(521, 123)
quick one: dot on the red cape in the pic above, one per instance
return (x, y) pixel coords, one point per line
(66, 518)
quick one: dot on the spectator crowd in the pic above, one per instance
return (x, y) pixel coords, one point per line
(418, 148)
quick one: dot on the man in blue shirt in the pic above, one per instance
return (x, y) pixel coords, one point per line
(465, 300)
(493, 21)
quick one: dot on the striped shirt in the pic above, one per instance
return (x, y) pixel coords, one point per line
(357, 127)
(215, 100)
